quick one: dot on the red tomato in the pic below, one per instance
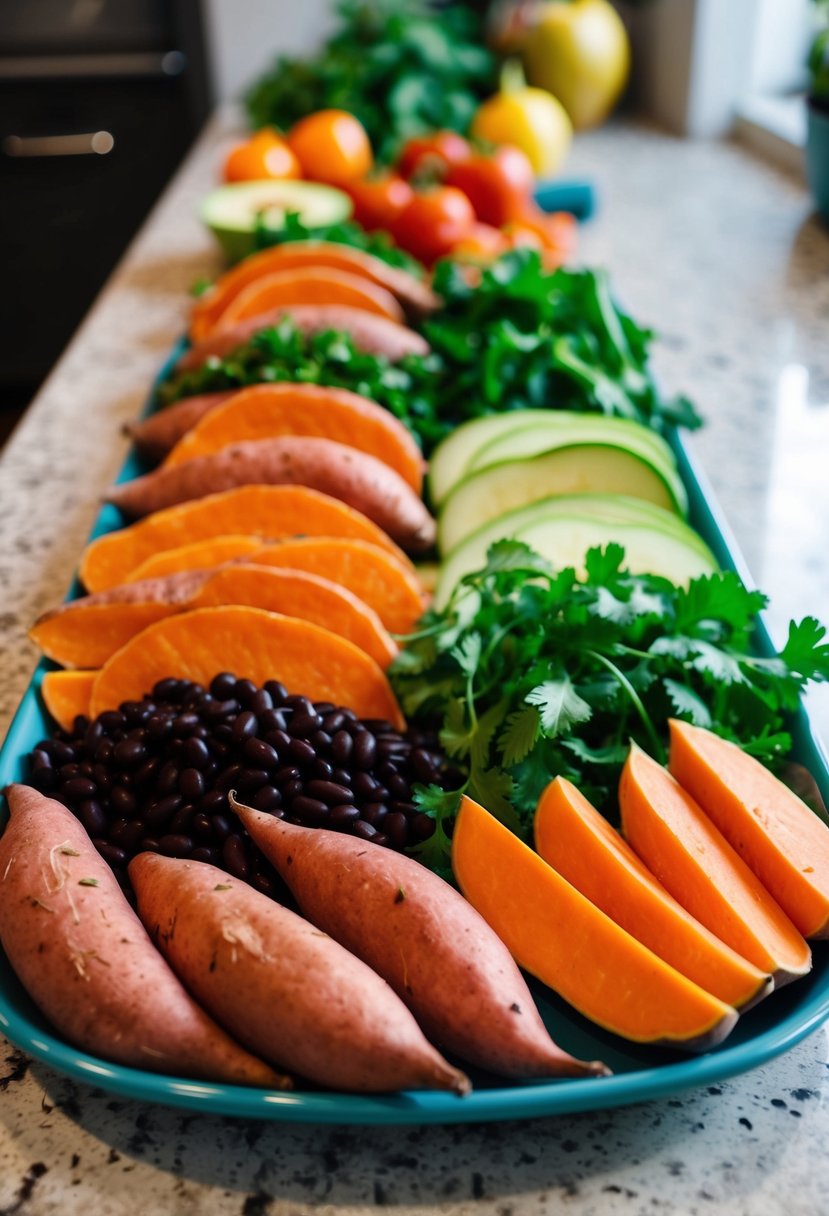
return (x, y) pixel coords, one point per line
(434, 221)
(500, 186)
(481, 243)
(331, 146)
(433, 154)
(264, 155)
(379, 200)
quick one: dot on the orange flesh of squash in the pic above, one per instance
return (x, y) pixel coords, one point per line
(87, 635)
(201, 555)
(777, 835)
(697, 865)
(295, 593)
(67, 694)
(568, 943)
(267, 411)
(311, 285)
(258, 646)
(209, 306)
(372, 575)
(581, 845)
(269, 512)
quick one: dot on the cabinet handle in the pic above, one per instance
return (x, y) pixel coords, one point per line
(85, 143)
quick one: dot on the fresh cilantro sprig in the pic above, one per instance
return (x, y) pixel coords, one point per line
(531, 673)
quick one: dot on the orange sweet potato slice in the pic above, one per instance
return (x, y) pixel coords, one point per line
(200, 555)
(66, 694)
(581, 845)
(82, 634)
(308, 596)
(258, 646)
(268, 411)
(157, 434)
(568, 943)
(304, 286)
(416, 298)
(370, 573)
(271, 512)
(696, 864)
(778, 837)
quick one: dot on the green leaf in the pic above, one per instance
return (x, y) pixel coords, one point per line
(457, 732)
(467, 654)
(493, 788)
(560, 705)
(519, 735)
(805, 653)
(687, 703)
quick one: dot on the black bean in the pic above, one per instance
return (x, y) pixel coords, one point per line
(272, 719)
(251, 779)
(214, 802)
(228, 778)
(321, 740)
(78, 788)
(278, 692)
(127, 835)
(308, 809)
(234, 856)
(364, 830)
(44, 779)
(421, 826)
(263, 883)
(291, 790)
(403, 808)
(185, 724)
(104, 751)
(221, 826)
(341, 745)
(201, 826)
(220, 710)
(222, 685)
(175, 845)
(195, 753)
(283, 775)
(300, 752)
(302, 726)
(364, 750)
(321, 770)
(182, 819)
(245, 726)
(60, 752)
(261, 702)
(396, 827)
(379, 726)
(374, 812)
(278, 739)
(260, 753)
(398, 786)
(244, 690)
(160, 812)
(165, 690)
(341, 816)
(147, 771)
(93, 817)
(93, 736)
(324, 707)
(268, 798)
(149, 844)
(333, 722)
(191, 784)
(110, 852)
(167, 778)
(299, 704)
(213, 857)
(122, 801)
(364, 785)
(328, 792)
(129, 753)
(421, 763)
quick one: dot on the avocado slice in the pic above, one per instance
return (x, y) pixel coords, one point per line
(231, 211)
(570, 468)
(563, 528)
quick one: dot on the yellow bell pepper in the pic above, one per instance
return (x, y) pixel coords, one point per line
(530, 118)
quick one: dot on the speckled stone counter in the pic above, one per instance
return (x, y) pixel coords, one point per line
(722, 255)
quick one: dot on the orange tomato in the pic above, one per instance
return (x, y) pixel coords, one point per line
(482, 243)
(434, 221)
(433, 153)
(264, 155)
(556, 232)
(379, 200)
(331, 146)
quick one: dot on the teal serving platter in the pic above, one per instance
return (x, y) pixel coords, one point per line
(640, 1073)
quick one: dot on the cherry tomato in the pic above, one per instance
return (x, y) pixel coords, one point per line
(481, 243)
(379, 200)
(264, 155)
(331, 146)
(557, 232)
(433, 154)
(434, 221)
(500, 186)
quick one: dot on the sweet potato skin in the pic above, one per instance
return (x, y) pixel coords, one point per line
(430, 945)
(84, 958)
(158, 434)
(371, 334)
(278, 983)
(355, 478)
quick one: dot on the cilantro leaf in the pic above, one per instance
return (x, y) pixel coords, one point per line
(560, 705)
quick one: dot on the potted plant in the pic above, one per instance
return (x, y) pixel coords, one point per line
(817, 137)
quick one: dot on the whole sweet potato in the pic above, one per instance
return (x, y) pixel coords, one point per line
(432, 947)
(159, 433)
(86, 961)
(354, 477)
(371, 334)
(280, 985)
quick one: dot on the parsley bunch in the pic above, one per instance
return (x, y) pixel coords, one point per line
(531, 673)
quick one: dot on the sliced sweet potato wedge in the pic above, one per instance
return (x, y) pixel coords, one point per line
(370, 333)
(778, 837)
(268, 411)
(681, 846)
(309, 285)
(559, 936)
(370, 573)
(417, 299)
(269, 512)
(200, 555)
(85, 634)
(308, 596)
(257, 645)
(362, 481)
(66, 694)
(582, 846)
(156, 435)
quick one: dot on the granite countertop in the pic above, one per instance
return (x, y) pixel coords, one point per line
(722, 254)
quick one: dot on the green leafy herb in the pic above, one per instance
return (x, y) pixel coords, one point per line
(396, 65)
(531, 673)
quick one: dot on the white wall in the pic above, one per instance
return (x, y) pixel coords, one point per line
(245, 36)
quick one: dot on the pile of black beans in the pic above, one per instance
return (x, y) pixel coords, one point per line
(155, 774)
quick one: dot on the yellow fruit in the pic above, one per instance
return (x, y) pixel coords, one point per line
(580, 52)
(531, 119)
